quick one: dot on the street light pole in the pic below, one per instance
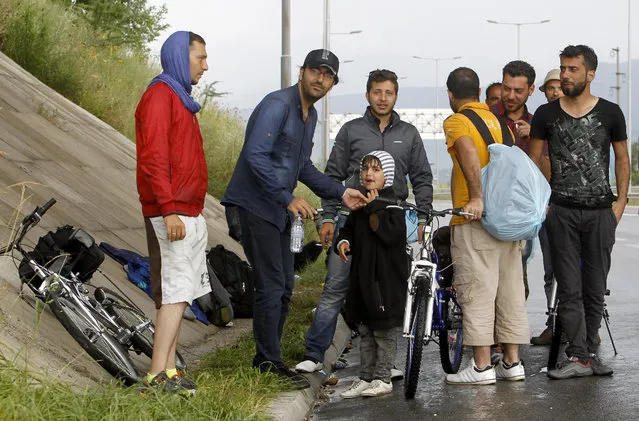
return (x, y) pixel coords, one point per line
(629, 100)
(326, 130)
(285, 62)
(437, 60)
(518, 25)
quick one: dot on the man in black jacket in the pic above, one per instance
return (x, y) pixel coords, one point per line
(379, 129)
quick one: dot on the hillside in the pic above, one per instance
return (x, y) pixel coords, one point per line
(59, 150)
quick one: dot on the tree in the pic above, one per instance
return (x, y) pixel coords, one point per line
(130, 23)
(209, 93)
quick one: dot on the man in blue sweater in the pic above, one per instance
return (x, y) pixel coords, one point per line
(276, 154)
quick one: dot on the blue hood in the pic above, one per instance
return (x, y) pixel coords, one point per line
(176, 67)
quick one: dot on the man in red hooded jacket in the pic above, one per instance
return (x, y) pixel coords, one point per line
(172, 181)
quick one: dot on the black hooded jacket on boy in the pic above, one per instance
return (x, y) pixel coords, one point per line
(380, 264)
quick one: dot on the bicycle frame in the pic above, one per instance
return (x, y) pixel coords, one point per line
(425, 266)
(90, 311)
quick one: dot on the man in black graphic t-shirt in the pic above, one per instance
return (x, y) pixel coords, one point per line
(584, 212)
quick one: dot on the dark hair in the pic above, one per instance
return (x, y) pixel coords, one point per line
(371, 161)
(463, 83)
(193, 37)
(383, 75)
(588, 54)
(491, 86)
(520, 68)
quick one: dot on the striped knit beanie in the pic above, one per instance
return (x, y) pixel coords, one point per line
(388, 165)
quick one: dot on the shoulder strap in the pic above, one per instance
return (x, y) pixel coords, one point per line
(477, 121)
(507, 138)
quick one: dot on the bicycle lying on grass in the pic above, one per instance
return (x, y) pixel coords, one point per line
(106, 325)
(432, 312)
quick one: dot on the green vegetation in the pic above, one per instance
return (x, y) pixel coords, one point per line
(130, 23)
(221, 396)
(228, 387)
(79, 49)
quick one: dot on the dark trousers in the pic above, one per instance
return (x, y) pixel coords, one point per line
(581, 242)
(267, 250)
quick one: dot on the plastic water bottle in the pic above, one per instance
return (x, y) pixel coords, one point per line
(297, 235)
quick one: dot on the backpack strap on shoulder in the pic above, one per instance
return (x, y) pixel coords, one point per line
(481, 126)
(478, 122)
(507, 137)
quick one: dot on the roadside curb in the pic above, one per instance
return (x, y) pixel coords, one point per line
(295, 406)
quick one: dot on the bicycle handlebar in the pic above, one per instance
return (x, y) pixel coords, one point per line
(44, 208)
(428, 212)
(29, 221)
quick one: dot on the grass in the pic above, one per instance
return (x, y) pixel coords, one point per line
(228, 387)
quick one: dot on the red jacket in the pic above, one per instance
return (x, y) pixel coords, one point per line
(172, 177)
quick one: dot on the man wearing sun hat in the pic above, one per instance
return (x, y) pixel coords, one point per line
(552, 86)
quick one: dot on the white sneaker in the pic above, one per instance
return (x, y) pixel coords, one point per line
(513, 373)
(308, 366)
(356, 389)
(396, 374)
(378, 388)
(470, 375)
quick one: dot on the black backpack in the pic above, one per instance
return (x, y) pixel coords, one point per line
(67, 250)
(441, 244)
(236, 276)
(216, 304)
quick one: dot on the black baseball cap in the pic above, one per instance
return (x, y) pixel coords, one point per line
(323, 58)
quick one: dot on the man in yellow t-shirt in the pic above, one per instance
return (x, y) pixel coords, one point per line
(488, 271)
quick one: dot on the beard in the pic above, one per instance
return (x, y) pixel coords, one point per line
(511, 108)
(311, 94)
(575, 90)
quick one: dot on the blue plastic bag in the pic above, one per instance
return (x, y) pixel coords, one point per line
(516, 194)
(412, 222)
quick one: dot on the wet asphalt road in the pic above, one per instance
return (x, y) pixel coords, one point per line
(538, 397)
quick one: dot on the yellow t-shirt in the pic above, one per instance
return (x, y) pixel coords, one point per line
(455, 127)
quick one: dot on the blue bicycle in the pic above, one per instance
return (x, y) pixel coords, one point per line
(432, 312)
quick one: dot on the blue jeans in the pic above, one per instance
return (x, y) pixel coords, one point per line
(267, 250)
(320, 335)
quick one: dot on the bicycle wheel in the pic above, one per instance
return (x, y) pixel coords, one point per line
(416, 339)
(101, 346)
(129, 317)
(450, 338)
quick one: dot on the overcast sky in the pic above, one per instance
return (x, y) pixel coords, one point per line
(244, 38)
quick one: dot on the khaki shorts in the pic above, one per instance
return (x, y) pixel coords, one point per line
(178, 269)
(489, 284)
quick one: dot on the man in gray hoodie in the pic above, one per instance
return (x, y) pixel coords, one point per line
(379, 129)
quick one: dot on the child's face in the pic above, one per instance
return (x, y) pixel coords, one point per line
(373, 177)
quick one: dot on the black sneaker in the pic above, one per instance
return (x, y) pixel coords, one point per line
(181, 375)
(171, 385)
(598, 367)
(297, 380)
